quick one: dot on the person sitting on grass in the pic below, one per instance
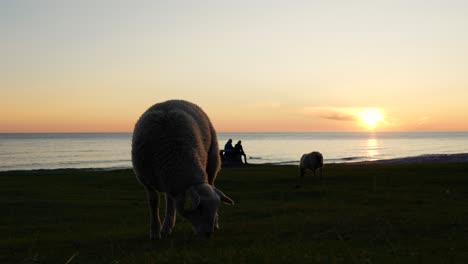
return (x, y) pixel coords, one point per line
(229, 150)
(239, 150)
(228, 147)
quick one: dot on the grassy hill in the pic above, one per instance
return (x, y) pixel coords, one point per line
(356, 214)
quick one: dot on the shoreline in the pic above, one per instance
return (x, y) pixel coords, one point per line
(420, 159)
(425, 158)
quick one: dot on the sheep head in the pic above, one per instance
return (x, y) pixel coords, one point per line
(200, 205)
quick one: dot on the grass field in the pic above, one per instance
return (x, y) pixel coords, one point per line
(356, 214)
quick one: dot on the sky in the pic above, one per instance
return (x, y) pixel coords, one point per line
(256, 65)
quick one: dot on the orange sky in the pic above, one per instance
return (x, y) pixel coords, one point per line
(252, 65)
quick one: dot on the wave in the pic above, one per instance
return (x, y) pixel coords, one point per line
(353, 158)
(289, 162)
(72, 169)
(424, 158)
(98, 164)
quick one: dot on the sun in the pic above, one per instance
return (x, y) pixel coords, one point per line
(370, 117)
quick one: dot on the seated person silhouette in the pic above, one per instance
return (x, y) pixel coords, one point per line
(228, 147)
(229, 150)
(239, 150)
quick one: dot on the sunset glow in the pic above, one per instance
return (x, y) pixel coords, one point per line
(79, 66)
(371, 118)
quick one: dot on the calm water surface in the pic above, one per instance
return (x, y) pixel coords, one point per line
(112, 150)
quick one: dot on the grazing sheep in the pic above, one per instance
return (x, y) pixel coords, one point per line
(175, 151)
(312, 161)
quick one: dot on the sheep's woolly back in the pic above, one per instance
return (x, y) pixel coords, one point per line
(312, 161)
(174, 146)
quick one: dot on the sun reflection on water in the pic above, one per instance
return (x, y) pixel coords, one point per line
(372, 148)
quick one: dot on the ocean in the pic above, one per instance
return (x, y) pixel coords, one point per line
(112, 150)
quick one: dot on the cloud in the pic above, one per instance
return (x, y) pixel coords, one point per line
(360, 116)
(338, 116)
(333, 113)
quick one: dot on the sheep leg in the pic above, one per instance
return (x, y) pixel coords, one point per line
(155, 222)
(170, 218)
(216, 223)
(213, 162)
(302, 173)
(301, 177)
(212, 169)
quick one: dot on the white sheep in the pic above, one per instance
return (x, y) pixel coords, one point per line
(312, 161)
(175, 151)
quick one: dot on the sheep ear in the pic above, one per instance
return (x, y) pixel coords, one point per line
(192, 199)
(223, 197)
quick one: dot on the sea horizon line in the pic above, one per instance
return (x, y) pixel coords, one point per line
(262, 132)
